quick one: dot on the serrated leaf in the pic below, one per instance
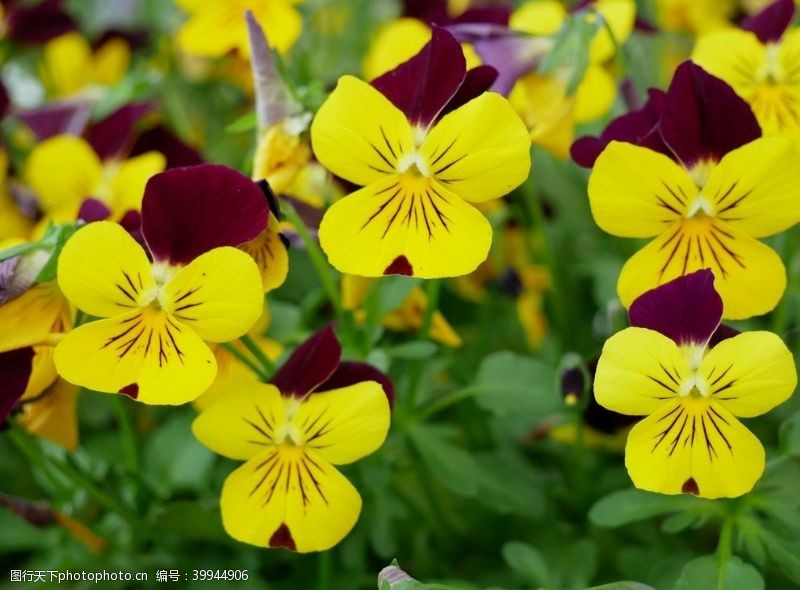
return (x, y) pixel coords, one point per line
(705, 572)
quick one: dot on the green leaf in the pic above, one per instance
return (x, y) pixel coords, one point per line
(509, 485)
(526, 561)
(510, 384)
(454, 467)
(706, 573)
(789, 436)
(393, 578)
(244, 124)
(191, 520)
(622, 586)
(632, 505)
(416, 349)
(571, 48)
(787, 555)
(50, 243)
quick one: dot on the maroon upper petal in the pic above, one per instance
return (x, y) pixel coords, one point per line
(92, 209)
(771, 23)
(37, 23)
(15, 371)
(703, 118)
(430, 11)
(58, 118)
(160, 139)
(477, 81)
(688, 309)
(351, 372)
(496, 15)
(113, 136)
(639, 127)
(310, 365)
(422, 86)
(189, 211)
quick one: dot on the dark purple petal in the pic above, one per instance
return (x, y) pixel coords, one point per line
(131, 222)
(688, 309)
(495, 15)
(639, 127)
(703, 118)
(477, 81)
(311, 364)
(272, 200)
(351, 372)
(114, 136)
(15, 371)
(59, 118)
(5, 102)
(511, 53)
(723, 332)
(430, 11)
(37, 23)
(422, 86)
(642, 25)
(162, 140)
(134, 39)
(93, 210)
(771, 23)
(189, 211)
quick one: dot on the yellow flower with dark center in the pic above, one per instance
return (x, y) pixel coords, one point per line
(420, 168)
(762, 64)
(200, 287)
(316, 413)
(692, 379)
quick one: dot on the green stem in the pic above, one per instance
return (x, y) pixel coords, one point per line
(317, 259)
(127, 434)
(77, 477)
(445, 402)
(255, 350)
(433, 289)
(23, 445)
(724, 547)
(325, 578)
(242, 358)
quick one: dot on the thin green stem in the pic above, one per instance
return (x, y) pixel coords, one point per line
(325, 578)
(433, 289)
(22, 439)
(242, 358)
(317, 259)
(725, 545)
(444, 402)
(266, 364)
(127, 434)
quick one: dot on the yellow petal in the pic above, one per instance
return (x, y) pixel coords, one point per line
(218, 295)
(103, 271)
(270, 254)
(750, 374)
(355, 290)
(547, 109)
(749, 275)
(43, 372)
(54, 415)
(639, 371)
(244, 422)
(67, 64)
(595, 95)
(29, 318)
(343, 425)
(393, 44)
(619, 16)
(63, 171)
(111, 61)
(358, 134)
(733, 55)
(635, 192)
(145, 354)
(127, 185)
(756, 188)
(480, 151)
(289, 497)
(213, 30)
(405, 225)
(281, 22)
(693, 446)
(539, 18)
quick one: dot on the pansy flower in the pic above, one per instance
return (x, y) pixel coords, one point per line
(692, 382)
(71, 66)
(199, 287)
(217, 27)
(426, 141)
(316, 413)
(92, 179)
(761, 62)
(720, 187)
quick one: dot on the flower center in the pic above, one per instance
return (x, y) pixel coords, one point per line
(288, 434)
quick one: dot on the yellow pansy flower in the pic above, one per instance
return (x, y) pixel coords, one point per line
(315, 414)
(691, 390)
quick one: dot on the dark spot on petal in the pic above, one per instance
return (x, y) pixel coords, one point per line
(690, 487)
(282, 537)
(400, 266)
(132, 390)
